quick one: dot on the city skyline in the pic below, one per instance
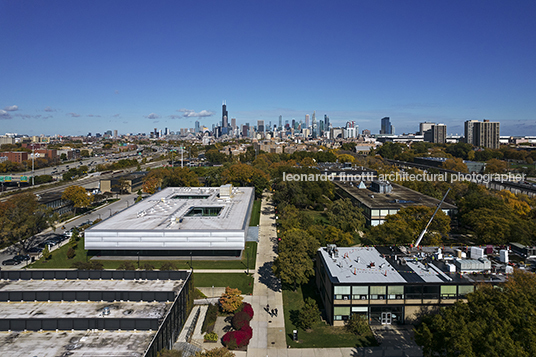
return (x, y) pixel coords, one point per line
(130, 66)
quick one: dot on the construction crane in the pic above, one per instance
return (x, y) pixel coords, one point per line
(430, 221)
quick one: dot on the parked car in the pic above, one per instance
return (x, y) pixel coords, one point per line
(34, 250)
(10, 262)
(21, 258)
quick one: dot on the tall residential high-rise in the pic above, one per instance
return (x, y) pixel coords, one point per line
(280, 122)
(314, 127)
(115, 134)
(326, 122)
(423, 127)
(468, 126)
(307, 121)
(486, 134)
(224, 115)
(386, 127)
(197, 128)
(260, 126)
(439, 133)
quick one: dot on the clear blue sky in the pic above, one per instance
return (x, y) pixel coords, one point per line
(73, 67)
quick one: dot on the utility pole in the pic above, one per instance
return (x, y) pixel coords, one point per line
(182, 157)
(33, 158)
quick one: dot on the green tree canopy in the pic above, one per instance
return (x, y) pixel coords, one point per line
(497, 322)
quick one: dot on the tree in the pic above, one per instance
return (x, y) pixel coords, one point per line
(71, 253)
(78, 196)
(390, 150)
(493, 322)
(293, 267)
(246, 175)
(231, 300)
(215, 352)
(405, 226)
(63, 156)
(343, 214)
(46, 253)
(21, 216)
(84, 153)
(455, 165)
(495, 166)
(309, 314)
(357, 324)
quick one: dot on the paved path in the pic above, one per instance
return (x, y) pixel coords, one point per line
(269, 330)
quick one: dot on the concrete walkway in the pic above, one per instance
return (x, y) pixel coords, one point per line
(269, 331)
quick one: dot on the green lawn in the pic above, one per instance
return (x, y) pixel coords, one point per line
(233, 280)
(317, 216)
(321, 335)
(59, 260)
(255, 213)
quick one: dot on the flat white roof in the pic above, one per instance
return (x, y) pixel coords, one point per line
(83, 310)
(77, 343)
(91, 285)
(360, 265)
(166, 210)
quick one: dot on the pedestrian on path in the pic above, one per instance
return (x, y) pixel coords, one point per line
(275, 311)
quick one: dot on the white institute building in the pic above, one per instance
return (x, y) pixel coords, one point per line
(178, 221)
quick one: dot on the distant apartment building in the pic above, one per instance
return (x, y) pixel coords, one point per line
(424, 127)
(386, 126)
(15, 156)
(482, 134)
(7, 140)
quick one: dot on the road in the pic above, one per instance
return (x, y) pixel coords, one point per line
(102, 213)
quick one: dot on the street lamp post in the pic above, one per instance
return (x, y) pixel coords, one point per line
(247, 256)
(191, 265)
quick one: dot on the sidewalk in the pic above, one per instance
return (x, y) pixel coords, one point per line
(269, 331)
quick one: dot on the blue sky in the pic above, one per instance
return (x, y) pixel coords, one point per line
(73, 67)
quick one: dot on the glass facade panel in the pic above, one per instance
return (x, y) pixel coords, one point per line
(465, 289)
(448, 291)
(395, 292)
(378, 292)
(341, 312)
(342, 292)
(360, 292)
(413, 292)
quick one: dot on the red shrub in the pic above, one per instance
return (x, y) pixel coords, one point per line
(243, 336)
(229, 340)
(247, 309)
(240, 319)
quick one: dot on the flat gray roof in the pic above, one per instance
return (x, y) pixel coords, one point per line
(81, 310)
(400, 197)
(77, 343)
(360, 265)
(163, 212)
(91, 285)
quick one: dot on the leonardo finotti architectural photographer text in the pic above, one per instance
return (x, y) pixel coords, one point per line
(404, 176)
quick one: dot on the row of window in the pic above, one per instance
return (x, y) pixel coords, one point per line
(391, 292)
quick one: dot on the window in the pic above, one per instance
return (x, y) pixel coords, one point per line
(342, 292)
(341, 312)
(377, 292)
(395, 292)
(448, 291)
(465, 289)
(203, 211)
(413, 292)
(360, 292)
(431, 292)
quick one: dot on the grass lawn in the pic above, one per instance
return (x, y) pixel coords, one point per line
(233, 280)
(59, 260)
(317, 216)
(321, 335)
(255, 213)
